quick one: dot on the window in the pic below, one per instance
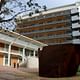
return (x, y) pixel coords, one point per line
(36, 54)
(20, 59)
(31, 53)
(6, 47)
(49, 21)
(69, 38)
(33, 24)
(27, 52)
(68, 31)
(68, 23)
(6, 59)
(21, 50)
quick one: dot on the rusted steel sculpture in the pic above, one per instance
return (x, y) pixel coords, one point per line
(59, 60)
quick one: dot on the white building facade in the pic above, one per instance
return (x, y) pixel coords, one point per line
(18, 49)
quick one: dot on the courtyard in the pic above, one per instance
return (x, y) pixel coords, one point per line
(10, 73)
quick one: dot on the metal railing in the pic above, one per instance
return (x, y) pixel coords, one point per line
(3, 49)
(48, 23)
(50, 15)
(58, 43)
(54, 36)
(47, 30)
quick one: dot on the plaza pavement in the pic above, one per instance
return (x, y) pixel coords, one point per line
(10, 73)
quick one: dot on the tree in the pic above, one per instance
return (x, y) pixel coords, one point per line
(9, 9)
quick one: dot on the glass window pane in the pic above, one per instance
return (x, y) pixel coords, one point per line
(6, 59)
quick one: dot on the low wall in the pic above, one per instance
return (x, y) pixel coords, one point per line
(32, 62)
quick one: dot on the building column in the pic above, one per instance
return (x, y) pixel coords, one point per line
(4, 60)
(34, 52)
(9, 52)
(23, 55)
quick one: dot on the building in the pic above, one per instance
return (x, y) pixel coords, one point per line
(16, 48)
(58, 25)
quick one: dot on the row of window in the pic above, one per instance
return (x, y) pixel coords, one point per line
(53, 36)
(18, 50)
(59, 25)
(44, 27)
(30, 53)
(57, 40)
(65, 12)
(51, 33)
(54, 40)
(44, 21)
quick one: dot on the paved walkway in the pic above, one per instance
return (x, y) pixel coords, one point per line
(9, 73)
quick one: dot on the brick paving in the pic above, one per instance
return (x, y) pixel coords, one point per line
(9, 73)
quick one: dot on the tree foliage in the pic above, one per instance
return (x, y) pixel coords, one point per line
(9, 9)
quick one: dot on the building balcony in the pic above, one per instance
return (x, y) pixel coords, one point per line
(46, 30)
(74, 11)
(66, 42)
(44, 24)
(76, 41)
(76, 33)
(3, 50)
(76, 17)
(54, 36)
(15, 52)
(50, 23)
(49, 16)
(75, 25)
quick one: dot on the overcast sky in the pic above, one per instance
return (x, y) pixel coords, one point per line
(55, 3)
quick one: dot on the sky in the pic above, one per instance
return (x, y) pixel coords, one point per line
(55, 3)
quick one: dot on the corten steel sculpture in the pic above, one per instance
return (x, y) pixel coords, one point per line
(59, 60)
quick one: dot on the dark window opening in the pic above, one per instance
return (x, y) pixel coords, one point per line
(31, 54)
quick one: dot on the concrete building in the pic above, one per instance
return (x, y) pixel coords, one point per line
(16, 48)
(58, 25)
